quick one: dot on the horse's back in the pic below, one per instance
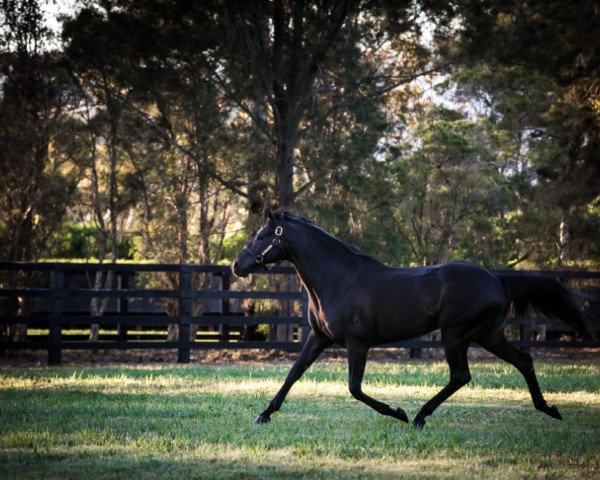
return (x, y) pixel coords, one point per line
(455, 281)
(462, 281)
(413, 301)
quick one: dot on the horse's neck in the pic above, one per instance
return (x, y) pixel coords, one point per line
(320, 263)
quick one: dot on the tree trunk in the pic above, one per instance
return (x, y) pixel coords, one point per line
(285, 173)
(110, 234)
(285, 332)
(173, 328)
(562, 245)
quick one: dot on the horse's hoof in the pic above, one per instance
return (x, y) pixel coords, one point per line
(401, 415)
(552, 410)
(262, 418)
(418, 423)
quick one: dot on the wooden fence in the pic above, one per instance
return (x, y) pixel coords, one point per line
(50, 301)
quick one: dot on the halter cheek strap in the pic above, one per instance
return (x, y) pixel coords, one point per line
(276, 242)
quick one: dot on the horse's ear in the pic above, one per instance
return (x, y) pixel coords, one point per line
(268, 214)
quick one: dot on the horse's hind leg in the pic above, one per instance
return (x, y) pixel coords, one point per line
(499, 346)
(357, 360)
(456, 354)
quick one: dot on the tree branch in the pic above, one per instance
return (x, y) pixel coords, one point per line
(234, 187)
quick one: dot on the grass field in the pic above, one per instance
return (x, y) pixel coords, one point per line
(196, 422)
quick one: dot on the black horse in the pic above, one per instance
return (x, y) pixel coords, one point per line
(358, 302)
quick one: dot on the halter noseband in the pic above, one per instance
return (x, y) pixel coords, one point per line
(276, 242)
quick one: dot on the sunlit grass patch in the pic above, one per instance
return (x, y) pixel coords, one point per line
(196, 422)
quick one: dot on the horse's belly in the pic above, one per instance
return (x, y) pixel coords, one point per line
(410, 308)
(400, 327)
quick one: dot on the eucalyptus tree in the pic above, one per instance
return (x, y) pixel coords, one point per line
(35, 184)
(311, 61)
(535, 67)
(99, 64)
(34, 98)
(450, 199)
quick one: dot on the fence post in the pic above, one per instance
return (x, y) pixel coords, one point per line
(185, 312)
(416, 352)
(225, 307)
(306, 326)
(525, 336)
(55, 324)
(123, 308)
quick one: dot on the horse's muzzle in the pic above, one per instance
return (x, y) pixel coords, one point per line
(239, 272)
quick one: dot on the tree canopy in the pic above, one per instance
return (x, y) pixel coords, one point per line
(422, 131)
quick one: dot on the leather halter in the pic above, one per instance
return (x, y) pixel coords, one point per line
(276, 242)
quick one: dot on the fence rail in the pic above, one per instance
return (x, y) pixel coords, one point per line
(42, 296)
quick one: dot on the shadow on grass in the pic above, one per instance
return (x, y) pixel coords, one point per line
(85, 465)
(99, 467)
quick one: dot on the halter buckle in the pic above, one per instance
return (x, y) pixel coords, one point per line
(279, 231)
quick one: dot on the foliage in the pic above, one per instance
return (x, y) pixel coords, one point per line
(36, 186)
(78, 241)
(535, 67)
(413, 129)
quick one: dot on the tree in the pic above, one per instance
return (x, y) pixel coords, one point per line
(536, 65)
(95, 54)
(33, 92)
(165, 125)
(450, 199)
(300, 54)
(35, 184)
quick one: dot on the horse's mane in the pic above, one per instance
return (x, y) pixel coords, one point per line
(288, 215)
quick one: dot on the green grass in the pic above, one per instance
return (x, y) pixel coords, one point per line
(196, 422)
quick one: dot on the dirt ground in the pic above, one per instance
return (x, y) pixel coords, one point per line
(77, 358)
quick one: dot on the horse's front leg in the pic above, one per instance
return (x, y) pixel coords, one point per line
(315, 344)
(357, 359)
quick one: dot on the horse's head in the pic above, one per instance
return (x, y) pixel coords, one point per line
(265, 249)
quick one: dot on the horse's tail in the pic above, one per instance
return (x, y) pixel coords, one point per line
(547, 296)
